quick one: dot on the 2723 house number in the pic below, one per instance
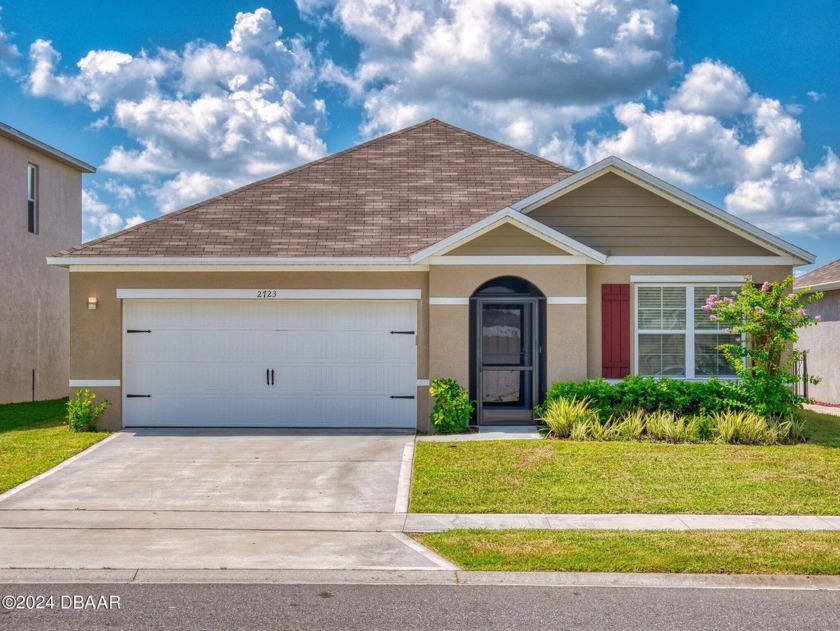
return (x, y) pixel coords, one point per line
(266, 293)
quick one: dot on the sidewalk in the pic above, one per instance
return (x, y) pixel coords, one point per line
(433, 522)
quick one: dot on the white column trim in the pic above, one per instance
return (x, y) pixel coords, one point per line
(566, 300)
(423, 383)
(94, 383)
(688, 279)
(271, 294)
(443, 300)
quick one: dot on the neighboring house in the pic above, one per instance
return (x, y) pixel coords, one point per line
(823, 341)
(40, 212)
(331, 294)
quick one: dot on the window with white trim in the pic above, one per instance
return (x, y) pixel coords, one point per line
(675, 337)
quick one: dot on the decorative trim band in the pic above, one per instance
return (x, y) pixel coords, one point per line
(570, 259)
(271, 294)
(687, 279)
(94, 383)
(449, 301)
(423, 383)
(729, 261)
(566, 300)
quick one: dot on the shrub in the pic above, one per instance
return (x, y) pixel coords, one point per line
(670, 427)
(562, 415)
(747, 428)
(685, 398)
(82, 413)
(453, 408)
(769, 317)
(631, 427)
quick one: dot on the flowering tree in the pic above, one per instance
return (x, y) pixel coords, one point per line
(768, 316)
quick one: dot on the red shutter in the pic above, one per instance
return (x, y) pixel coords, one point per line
(615, 331)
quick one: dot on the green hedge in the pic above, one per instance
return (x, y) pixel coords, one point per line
(684, 398)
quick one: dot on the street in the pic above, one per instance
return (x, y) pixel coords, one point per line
(185, 607)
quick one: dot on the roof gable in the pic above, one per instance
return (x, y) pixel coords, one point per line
(389, 197)
(825, 278)
(507, 239)
(630, 173)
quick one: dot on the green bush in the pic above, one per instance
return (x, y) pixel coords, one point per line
(82, 413)
(684, 398)
(453, 408)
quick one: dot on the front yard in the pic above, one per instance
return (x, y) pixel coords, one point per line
(631, 477)
(34, 437)
(695, 551)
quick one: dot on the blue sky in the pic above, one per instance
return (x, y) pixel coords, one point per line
(731, 101)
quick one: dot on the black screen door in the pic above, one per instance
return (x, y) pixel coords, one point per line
(506, 353)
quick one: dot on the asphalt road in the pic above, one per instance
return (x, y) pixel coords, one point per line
(404, 608)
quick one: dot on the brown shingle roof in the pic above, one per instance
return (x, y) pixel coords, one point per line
(389, 197)
(826, 274)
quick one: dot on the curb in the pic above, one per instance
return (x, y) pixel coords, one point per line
(425, 577)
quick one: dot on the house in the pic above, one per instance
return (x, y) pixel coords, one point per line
(329, 295)
(823, 341)
(40, 213)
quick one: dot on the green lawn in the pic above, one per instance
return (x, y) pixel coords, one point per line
(34, 437)
(693, 551)
(552, 476)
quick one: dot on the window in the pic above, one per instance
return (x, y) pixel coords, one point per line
(675, 338)
(32, 197)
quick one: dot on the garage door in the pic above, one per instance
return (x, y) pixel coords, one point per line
(275, 363)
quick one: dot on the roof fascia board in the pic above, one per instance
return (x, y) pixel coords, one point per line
(830, 286)
(691, 203)
(159, 262)
(702, 260)
(33, 143)
(514, 217)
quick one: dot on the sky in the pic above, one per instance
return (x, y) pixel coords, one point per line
(733, 101)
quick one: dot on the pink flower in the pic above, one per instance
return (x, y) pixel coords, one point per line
(734, 293)
(759, 310)
(728, 300)
(713, 318)
(705, 308)
(801, 312)
(818, 318)
(787, 309)
(765, 287)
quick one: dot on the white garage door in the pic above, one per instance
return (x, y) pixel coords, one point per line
(277, 363)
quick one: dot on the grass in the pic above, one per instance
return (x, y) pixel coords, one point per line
(694, 551)
(34, 437)
(551, 476)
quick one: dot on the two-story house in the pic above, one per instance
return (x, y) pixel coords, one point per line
(40, 213)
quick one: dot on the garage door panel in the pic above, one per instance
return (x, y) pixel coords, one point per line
(335, 363)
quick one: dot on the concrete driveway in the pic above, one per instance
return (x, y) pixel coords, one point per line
(208, 499)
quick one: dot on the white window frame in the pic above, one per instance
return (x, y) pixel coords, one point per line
(690, 328)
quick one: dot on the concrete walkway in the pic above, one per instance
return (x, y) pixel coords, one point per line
(434, 522)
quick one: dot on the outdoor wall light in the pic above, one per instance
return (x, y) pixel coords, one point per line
(91, 302)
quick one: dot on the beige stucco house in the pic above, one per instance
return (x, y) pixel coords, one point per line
(329, 295)
(822, 342)
(40, 213)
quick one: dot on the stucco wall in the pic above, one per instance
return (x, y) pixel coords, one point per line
(823, 345)
(34, 328)
(96, 341)
(565, 324)
(599, 275)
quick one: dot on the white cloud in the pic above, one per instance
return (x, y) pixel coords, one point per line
(9, 53)
(98, 219)
(482, 62)
(816, 96)
(733, 139)
(123, 192)
(201, 120)
(792, 198)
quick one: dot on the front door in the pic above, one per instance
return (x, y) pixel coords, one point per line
(507, 352)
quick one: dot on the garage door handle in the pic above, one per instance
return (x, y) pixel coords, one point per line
(138, 396)
(402, 332)
(272, 376)
(402, 396)
(266, 377)
(138, 331)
